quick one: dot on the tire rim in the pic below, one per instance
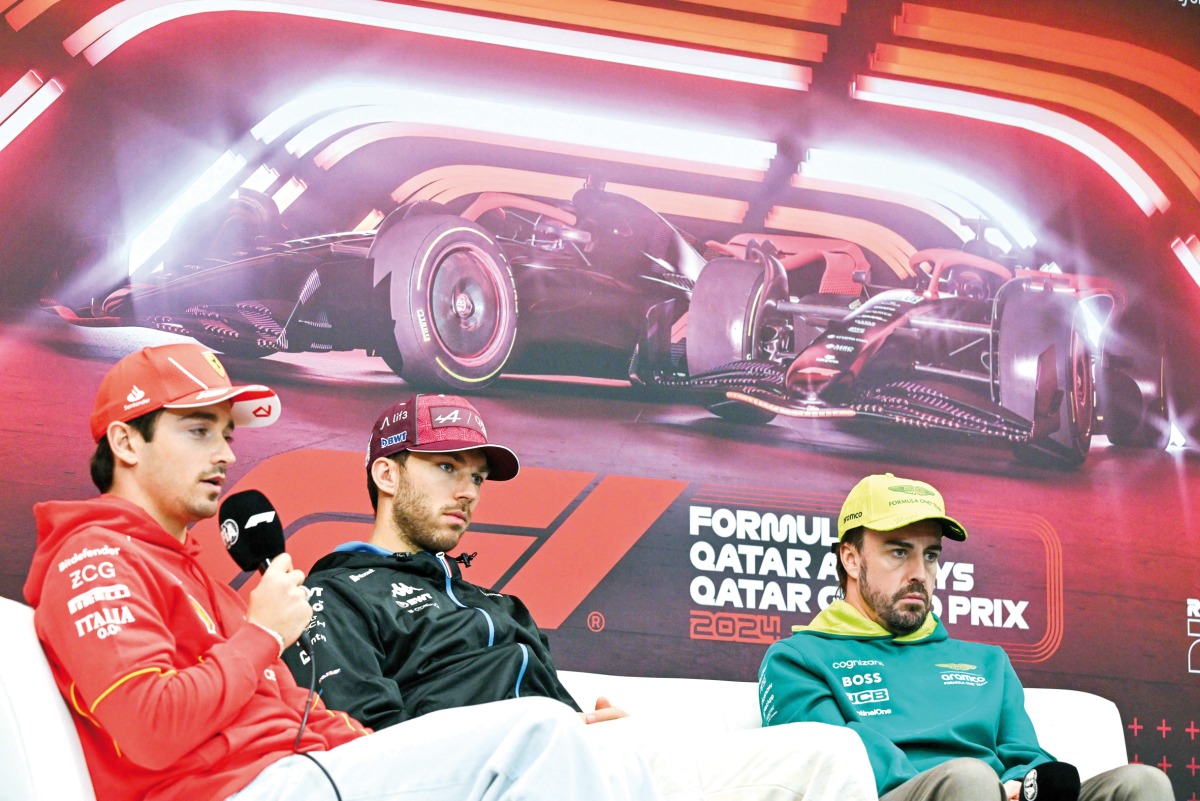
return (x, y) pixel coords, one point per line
(1082, 392)
(469, 312)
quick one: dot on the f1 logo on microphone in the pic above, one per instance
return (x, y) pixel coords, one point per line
(261, 517)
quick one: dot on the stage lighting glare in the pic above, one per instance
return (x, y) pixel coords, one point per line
(1188, 254)
(1093, 326)
(964, 197)
(261, 179)
(997, 240)
(1049, 89)
(447, 114)
(106, 32)
(18, 93)
(1087, 141)
(1125, 60)
(24, 102)
(910, 200)
(370, 222)
(1178, 440)
(205, 187)
(288, 193)
(25, 12)
(446, 184)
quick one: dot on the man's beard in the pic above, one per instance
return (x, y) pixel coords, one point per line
(420, 527)
(898, 621)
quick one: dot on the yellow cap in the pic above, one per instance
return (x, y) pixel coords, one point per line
(885, 503)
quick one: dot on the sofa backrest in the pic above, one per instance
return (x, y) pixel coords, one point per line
(40, 755)
(1075, 727)
(41, 759)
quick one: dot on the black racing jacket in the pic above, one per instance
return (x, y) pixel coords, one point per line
(398, 636)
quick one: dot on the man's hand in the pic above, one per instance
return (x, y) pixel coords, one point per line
(1012, 790)
(279, 602)
(604, 711)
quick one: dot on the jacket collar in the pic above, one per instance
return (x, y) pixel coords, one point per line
(841, 619)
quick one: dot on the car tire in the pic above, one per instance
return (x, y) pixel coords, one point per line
(726, 321)
(1134, 381)
(1037, 329)
(452, 298)
(1135, 411)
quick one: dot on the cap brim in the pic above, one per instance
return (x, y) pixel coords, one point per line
(502, 463)
(951, 528)
(254, 405)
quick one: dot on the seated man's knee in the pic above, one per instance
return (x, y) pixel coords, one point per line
(1134, 783)
(970, 776)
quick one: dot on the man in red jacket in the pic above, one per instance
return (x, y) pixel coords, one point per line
(175, 683)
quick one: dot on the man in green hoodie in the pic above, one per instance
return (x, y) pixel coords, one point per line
(941, 719)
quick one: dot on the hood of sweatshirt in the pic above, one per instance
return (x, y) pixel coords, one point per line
(58, 521)
(841, 620)
(356, 556)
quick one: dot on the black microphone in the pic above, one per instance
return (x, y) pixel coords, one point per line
(253, 535)
(1051, 781)
(251, 530)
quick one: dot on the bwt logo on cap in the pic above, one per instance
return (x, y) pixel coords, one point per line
(394, 439)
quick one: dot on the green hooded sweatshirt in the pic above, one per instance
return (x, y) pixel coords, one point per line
(916, 701)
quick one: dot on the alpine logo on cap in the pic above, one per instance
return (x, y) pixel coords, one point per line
(445, 416)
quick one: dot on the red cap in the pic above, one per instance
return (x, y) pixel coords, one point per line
(438, 424)
(183, 376)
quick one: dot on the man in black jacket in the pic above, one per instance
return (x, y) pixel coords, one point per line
(397, 632)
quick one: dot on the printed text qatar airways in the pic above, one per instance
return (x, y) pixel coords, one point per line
(782, 562)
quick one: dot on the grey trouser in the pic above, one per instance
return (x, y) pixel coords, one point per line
(973, 780)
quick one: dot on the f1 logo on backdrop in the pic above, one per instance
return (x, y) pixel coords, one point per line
(552, 536)
(321, 501)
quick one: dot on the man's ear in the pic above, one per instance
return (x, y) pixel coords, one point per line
(386, 473)
(851, 559)
(124, 442)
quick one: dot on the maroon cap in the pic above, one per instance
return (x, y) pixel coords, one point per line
(438, 424)
(181, 376)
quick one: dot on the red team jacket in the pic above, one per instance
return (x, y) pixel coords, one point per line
(173, 694)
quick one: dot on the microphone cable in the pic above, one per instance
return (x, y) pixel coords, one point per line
(308, 705)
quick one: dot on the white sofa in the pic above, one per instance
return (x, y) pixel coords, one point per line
(41, 759)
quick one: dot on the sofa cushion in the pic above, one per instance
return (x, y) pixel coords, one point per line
(40, 755)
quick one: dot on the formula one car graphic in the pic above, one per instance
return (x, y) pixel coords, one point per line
(759, 326)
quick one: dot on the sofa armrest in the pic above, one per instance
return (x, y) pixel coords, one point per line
(40, 755)
(1078, 727)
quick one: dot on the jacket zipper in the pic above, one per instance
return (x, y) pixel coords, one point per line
(441, 558)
